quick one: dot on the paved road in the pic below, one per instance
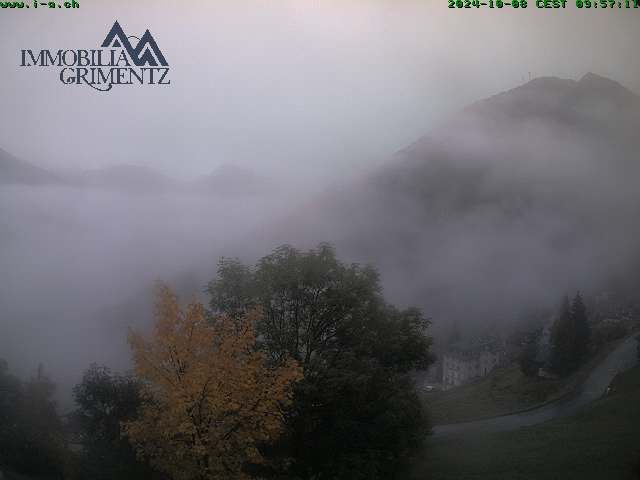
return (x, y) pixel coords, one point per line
(622, 358)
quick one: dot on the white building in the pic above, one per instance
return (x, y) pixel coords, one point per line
(465, 362)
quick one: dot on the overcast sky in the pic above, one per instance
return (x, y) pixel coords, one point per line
(313, 89)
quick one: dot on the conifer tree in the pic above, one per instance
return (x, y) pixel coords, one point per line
(570, 336)
(562, 340)
(582, 330)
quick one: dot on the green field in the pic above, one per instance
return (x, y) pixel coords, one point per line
(601, 442)
(505, 390)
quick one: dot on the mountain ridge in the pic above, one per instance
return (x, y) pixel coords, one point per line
(226, 179)
(518, 198)
(16, 171)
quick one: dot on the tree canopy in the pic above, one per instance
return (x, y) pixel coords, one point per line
(355, 413)
(212, 400)
(105, 401)
(31, 440)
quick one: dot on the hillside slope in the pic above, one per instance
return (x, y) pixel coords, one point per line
(19, 172)
(599, 442)
(512, 202)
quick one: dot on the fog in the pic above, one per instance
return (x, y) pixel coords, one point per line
(331, 103)
(79, 266)
(306, 90)
(502, 209)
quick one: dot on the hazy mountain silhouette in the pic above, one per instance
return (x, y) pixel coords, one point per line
(130, 178)
(226, 180)
(16, 171)
(512, 202)
(233, 180)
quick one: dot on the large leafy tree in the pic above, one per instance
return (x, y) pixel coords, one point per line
(355, 414)
(31, 439)
(105, 401)
(212, 399)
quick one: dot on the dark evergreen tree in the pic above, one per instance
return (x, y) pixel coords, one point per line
(562, 340)
(31, 439)
(582, 330)
(10, 399)
(570, 336)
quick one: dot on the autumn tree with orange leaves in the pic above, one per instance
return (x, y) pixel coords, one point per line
(211, 398)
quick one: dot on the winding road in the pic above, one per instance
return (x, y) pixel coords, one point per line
(594, 387)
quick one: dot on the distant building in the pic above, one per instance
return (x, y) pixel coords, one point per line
(465, 361)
